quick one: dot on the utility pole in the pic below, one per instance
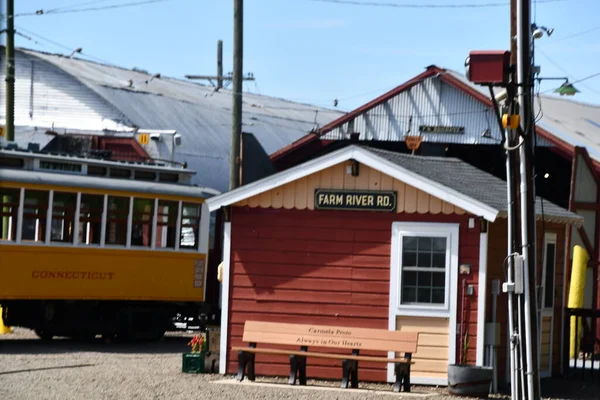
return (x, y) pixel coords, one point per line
(527, 196)
(219, 78)
(513, 240)
(236, 125)
(10, 70)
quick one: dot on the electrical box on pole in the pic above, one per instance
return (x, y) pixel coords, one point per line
(488, 67)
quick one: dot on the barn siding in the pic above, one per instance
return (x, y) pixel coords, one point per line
(322, 267)
(299, 194)
(497, 250)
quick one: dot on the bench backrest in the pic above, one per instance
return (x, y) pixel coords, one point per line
(330, 336)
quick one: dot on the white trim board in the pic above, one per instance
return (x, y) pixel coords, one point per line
(225, 298)
(481, 297)
(451, 231)
(367, 158)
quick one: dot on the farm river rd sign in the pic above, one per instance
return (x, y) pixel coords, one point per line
(331, 199)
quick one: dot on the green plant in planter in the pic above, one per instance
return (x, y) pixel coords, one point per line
(464, 349)
(193, 362)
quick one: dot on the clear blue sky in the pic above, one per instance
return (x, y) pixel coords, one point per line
(313, 51)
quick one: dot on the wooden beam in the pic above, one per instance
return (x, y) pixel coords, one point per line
(580, 205)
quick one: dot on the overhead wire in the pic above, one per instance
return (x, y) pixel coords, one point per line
(100, 8)
(430, 6)
(76, 5)
(577, 81)
(565, 71)
(57, 44)
(549, 43)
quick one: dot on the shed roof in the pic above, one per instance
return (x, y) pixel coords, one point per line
(449, 179)
(201, 115)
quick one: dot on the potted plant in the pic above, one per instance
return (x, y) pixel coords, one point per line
(193, 361)
(468, 380)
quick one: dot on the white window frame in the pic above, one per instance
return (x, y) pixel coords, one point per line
(450, 231)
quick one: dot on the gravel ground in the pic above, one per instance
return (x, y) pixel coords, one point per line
(64, 369)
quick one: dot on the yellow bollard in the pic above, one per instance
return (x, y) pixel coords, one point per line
(3, 328)
(576, 289)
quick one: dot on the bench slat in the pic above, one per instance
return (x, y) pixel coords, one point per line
(330, 336)
(319, 355)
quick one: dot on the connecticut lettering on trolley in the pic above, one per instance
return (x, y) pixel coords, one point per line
(86, 275)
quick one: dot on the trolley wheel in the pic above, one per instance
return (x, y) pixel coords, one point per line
(44, 334)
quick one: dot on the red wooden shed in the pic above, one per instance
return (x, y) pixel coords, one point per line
(370, 238)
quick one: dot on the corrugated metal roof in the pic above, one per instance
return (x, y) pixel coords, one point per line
(200, 115)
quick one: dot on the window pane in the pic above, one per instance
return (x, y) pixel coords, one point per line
(438, 260)
(166, 224)
(409, 278)
(439, 244)
(439, 279)
(9, 211)
(90, 219)
(190, 226)
(409, 259)
(409, 295)
(409, 243)
(141, 229)
(549, 284)
(424, 279)
(424, 260)
(437, 296)
(425, 244)
(63, 217)
(116, 224)
(34, 215)
(423, 295)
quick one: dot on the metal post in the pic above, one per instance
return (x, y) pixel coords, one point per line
(524, 80)
(219, 64)
(10, 70)
(234, 162)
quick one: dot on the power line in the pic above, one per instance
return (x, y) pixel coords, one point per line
(75, 10)
(417, 5)
(75, 5)
(62, 46)
(577, 81)
(565, 71)
(551, 42)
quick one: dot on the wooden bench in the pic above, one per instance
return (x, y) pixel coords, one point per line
(334, 337)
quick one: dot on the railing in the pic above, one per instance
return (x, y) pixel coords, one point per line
(581, 348)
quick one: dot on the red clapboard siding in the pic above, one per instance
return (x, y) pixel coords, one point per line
(322, 267)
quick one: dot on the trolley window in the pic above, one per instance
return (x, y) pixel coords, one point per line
(9, 213)
(34, 215)
(116, 226)
(90, 219)
(141, 230)
(63, 217)
(190, 226)
(166, 224)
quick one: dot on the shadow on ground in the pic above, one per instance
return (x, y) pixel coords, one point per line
(169, 344)
(558, 388)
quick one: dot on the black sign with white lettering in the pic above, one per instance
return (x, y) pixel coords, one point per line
(441, 129)
(331, 199)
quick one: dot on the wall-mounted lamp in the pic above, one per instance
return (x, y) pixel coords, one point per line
(538, 31)
(464, 269)
(352, 168)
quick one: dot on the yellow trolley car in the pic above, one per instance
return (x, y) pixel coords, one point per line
(90, 246)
